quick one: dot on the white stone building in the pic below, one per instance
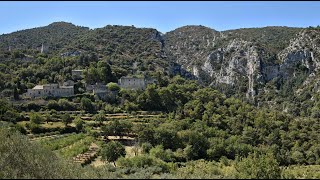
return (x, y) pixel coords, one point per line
(135, 82)
(53, 90)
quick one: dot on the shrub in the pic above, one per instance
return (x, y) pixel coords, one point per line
(257, 166)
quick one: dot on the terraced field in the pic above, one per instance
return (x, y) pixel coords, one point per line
(55, 144)
(76, 148)
(48, 136)
(83, 148)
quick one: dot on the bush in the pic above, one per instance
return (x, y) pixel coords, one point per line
(143, 161)
(52, 104)
(257, 166)
(159, 152)
(20, 128)
(146, 147)
(113, 86)
(36, 118)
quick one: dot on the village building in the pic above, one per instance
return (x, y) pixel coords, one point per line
(53, 90)
(97, 87)
(104, 94)
(77, 74)
(135, 83)
(100, 91)
(68, 83)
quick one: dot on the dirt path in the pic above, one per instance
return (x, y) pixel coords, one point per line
(97, 162)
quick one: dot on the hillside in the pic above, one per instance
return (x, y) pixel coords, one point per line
(54, 37)
(247, 63)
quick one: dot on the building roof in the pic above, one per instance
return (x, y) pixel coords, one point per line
(38, 87)
(132, 78)
(77, 70)
(66, 87)
(50, 85)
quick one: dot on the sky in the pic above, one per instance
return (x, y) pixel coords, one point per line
(162, 15)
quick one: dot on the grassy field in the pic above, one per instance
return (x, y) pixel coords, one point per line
(70, 145)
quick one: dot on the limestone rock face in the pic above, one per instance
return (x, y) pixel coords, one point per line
(301, 51)
(220, 58)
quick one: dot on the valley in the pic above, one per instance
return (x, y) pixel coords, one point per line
(127, 102)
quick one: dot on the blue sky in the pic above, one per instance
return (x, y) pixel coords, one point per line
(164, 16)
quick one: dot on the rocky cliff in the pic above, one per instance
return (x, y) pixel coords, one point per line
(239, 61)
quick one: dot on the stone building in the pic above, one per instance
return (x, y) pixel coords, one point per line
(68, 83)
(53, 90)
(104, 94)
(136, 83)
(77, 74)
(90, 88)
(100, 91)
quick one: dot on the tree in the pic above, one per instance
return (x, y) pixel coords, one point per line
(159, 152)
(17, 54)
(7, 113)
(65, 105)
(104, 71)
(91, 75)
(15, 94)
(145, 134)
(100, 117)
(86, 104)
(145, 147)
(112, 151)
(150, 99)
(113, 86)
(130, 106)
(167, 99)
(66, 119)
(197, 144)
(79, 124)
(52, 104)
(117, 128)
(35, 121)
(256, 166)
(36, 118)
(166, 137)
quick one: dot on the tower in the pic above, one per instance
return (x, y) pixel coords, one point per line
(42, 48)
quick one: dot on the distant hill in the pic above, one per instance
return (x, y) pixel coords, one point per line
(54, 37)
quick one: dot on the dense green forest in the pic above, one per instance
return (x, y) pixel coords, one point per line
(201, 124)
